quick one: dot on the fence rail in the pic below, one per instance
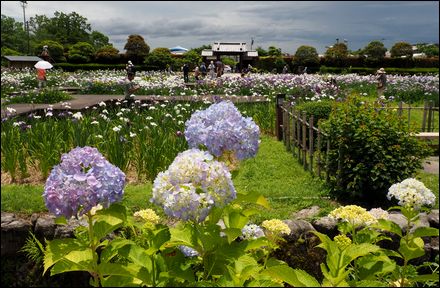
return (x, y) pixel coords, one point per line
(311, 146)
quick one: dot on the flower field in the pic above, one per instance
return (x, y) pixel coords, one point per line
(189, 151)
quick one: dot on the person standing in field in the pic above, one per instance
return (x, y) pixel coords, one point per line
(211, 69)
(381, 82)
(41, 78)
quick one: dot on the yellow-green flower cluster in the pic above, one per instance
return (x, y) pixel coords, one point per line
(148, 215)
(276, 226)
(353, 214)
(342, 241)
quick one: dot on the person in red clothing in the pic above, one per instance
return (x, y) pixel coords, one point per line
(41, 77)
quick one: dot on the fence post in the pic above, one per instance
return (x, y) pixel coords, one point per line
(298, 134)
(311, 142)
(279, 116)
(399, 112)
(304, 140)
(430, 112)
(319, 151)
(425, 110)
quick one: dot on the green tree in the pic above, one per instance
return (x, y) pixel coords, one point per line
(159, 58)
(56, 50)
(136, 48)
(431, 50)
(192, 58)
(13, 35)
(261, 51)
(64, 28)
(81, 52)
(375, 50)
(306, 56)
(203, 47)
(274, 51)
(337, 51)
(400, 49)
(98, 40)
(107, 54)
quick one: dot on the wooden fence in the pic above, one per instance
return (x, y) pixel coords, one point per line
(310, 145)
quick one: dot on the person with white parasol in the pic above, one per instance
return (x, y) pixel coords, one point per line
(41, 72)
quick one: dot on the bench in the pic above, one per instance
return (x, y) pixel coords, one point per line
(428, 135)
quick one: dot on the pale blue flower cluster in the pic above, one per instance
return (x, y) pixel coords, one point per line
(252, 231)
(83, 179)
(411, 193)
(188, 251)
(192, 185)
(220, 128)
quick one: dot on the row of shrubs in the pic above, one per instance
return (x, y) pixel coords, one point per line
(69, 67)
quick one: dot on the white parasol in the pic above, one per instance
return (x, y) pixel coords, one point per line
(43, 65)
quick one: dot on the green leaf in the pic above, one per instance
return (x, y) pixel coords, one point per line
(413, 249)
(61, 220)
(183, 235)
(137, 255)
(112, 249)
(294, 277)
(368, 283)
(425, 278)
(58, 248)
(370, 266)
(120, 281)
(161, 237)
(237, 220)
(129, 270)
(253, 198)
(425, 231)
(256, 243)
(108, 220)
(388, 226)
(68, 266)
(232, 233)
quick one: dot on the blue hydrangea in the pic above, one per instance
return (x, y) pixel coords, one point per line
(83, 179)
(192, 185)
(188, 251)
(220, 128)
(252, 231)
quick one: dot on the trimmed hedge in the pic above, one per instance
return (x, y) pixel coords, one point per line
(366, 71)
(69, 67)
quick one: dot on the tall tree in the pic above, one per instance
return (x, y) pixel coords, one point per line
(400, 49)
(375, 50)
(337, 51)
(136, 48)
(274, 51)
(13, 35)
(431, 50)
(306, 56)
(64, 28)
(159, 58)
(261, 51)
(81, 52)
(98, 40)
(107, 54)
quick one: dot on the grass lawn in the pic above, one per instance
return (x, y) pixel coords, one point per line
(274, 173)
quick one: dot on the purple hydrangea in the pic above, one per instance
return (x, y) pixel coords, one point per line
(192, 185)
(83, 179)
(220, 128)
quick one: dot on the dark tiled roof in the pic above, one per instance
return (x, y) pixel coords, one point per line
(23, 58)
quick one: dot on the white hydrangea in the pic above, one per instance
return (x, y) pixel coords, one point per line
(411, 193)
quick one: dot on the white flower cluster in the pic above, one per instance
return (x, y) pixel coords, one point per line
(192, 185)
(411, 193)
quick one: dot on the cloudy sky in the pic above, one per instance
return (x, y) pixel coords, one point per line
(284, 24)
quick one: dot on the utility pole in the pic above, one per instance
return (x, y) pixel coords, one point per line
(23, 4)
(25, 24)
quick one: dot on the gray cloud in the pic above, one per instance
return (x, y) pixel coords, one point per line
(284, 24)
